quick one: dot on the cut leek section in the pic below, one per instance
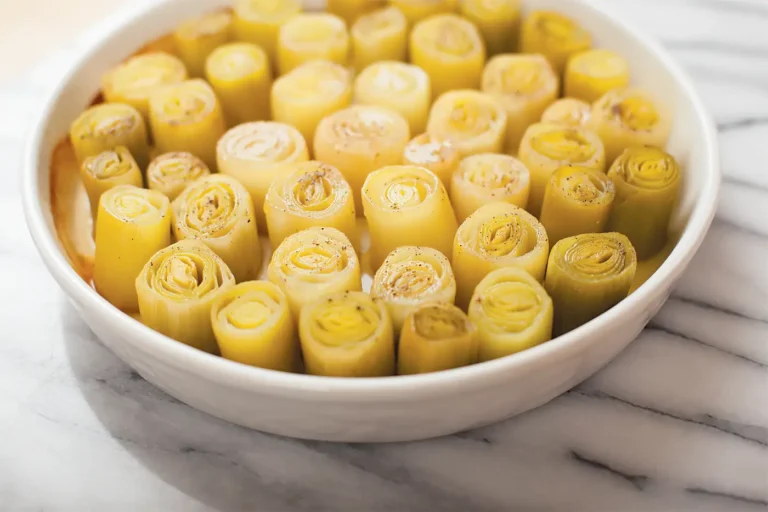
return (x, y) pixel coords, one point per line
(591, 74)
(241, 77)
(132, 225)
(253, 325)
(497, 20)
(497, 235)
(434, 153)
(487, 178)
(177, 289)
(360, 139)
(351, 10)
(107, 170)
(196, 38)
(133, 81)
(303, 97)
(629, 117)
(347, 334)
(170, 173)
(256, 154)
(401, 87)
(411, 276)
(587, 275)
(436, 337)
(381, 35)
(312, 36)
(313, 263)
(310, 194)
(187, 117)
(418, 10)
(647, 182)
(547, 147)
(450, 49)
(555, 36)
(512, 312)
(106, 126)
(218, 211)
(473, 121)
(568, 112)
(259, 21)
(525, 85)
(407, 205)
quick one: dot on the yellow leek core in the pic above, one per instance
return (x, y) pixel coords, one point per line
(106, 170)
(568, 112)
(434, 153)
(170, 173)
(381, 35)
(554, 35)
(106, 126)
(198, 37)
(592, 73)
(497, 20)
(312, 36)
(259, 21)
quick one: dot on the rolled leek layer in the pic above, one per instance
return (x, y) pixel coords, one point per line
(577, 200)
(473, 121)
(547, 147)
(498, 22)
(303, 97)
(407, 205)
(512, 312)
(411, 276)
(313, 263)
(133, 81)
(381, 35)
(451, 51)
(132, 225)
(436, 337)
(647, 181)
(107, 170)
(525, 85)
(359, 140)
(487, 178)
(253, 325)
(587, 275)
(218, 211)
(629, 117)
(259, 21)
(311, 194)
(312, 36)
(106, 126)
(568, 112)
(170, 173)
(555, 36)
(497, 235)
(187, 117)
(177, 289)
(241, 76)
(434, 153)
(591, 74)
(351, 10)
(256, 154)
(347, 334)
(401, 87)
(197, 38)
(418, 10)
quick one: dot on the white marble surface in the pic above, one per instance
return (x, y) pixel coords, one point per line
(678, 422)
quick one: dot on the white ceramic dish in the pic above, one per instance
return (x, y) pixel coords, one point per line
(385, 409)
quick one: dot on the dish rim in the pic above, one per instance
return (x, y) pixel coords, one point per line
(382, 389)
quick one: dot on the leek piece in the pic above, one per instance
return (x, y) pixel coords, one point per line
(196, 38)
(525, 85)
(218, 211)
(351, 10)
(177, 289)
(497, 20)
(313, 263)
(170, 173)
(253, 325)
(132, 224)
(407, 205)
(381, 35)
(568, 112)
(256, 153)
(436, 337)
(553, 35)
(587, 275)
(107, 170)
(259, 21)
(473, 121)
(434, 153)
(360, 139)
(312, 36)
(411, 276)
(451, 51)
(497, 235)
(647, 181)
(547, 147)
(512, 312)
(487, 178)
(347, 334)
(418, 10)
(591, 74)
(106, 126)
(242, 79)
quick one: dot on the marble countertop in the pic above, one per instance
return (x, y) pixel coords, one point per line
(678, 422)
